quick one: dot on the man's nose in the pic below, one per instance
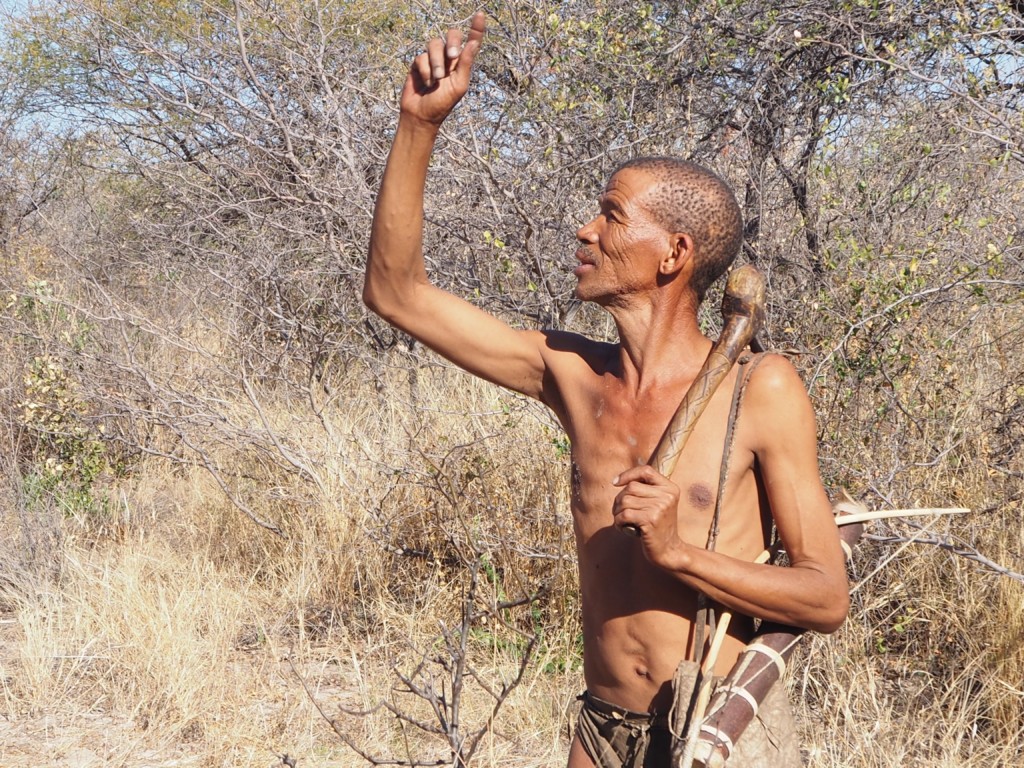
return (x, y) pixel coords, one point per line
(585, 234)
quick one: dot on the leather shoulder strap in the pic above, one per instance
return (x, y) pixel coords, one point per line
(705, 619)
(748, 364)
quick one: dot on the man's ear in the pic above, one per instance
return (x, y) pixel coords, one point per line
(679, 256)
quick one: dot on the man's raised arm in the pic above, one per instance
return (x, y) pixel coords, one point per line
(397, 287)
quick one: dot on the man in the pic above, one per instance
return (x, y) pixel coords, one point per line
(664, 230)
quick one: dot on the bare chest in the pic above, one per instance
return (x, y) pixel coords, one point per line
(612, 433)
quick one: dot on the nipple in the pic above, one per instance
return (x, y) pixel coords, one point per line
(699, 495)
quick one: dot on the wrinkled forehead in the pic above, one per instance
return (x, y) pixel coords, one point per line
(634, 184)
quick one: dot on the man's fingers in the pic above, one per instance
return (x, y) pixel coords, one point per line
(643, 473)
(637, 490)
(438, 63)
(477, 28)
(454, 44)
(421, 68)
(638, 498)
(444, 56)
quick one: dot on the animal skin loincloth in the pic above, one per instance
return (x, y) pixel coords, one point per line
(615, 737)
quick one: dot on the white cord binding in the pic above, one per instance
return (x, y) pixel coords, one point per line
(718, 738)
(744, 694)
(771, 653)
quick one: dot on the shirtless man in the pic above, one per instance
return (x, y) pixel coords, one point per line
(664, 229)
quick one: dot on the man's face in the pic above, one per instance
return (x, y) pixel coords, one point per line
(623, 245)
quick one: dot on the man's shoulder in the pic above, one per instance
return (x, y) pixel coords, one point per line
(565, 349)
(574, 365)
(775, 402)
(773, 375)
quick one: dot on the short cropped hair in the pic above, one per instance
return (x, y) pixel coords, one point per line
(690, 199)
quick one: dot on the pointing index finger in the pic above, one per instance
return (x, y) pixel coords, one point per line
(477, 29)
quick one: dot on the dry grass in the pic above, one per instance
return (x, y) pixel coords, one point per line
(178, 635)
(177, 632)
(162, 627)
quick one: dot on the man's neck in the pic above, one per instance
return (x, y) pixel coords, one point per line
(659, 343)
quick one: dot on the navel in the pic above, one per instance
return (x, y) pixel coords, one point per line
(699, 495)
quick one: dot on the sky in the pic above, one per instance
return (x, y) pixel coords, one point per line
(11, 6)
(8, 7)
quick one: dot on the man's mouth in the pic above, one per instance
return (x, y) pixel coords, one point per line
(586, 263)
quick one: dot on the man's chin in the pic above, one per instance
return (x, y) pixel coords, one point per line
(591, 296)
(584, 295)
(585, 289)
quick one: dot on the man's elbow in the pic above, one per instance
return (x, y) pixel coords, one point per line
(378, 298)
(389, 292)
(833, 612)
(371, 297)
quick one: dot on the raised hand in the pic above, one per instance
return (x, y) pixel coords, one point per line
(439, 77)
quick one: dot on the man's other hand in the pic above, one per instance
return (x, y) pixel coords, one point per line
(650, 502)
(439, 77)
